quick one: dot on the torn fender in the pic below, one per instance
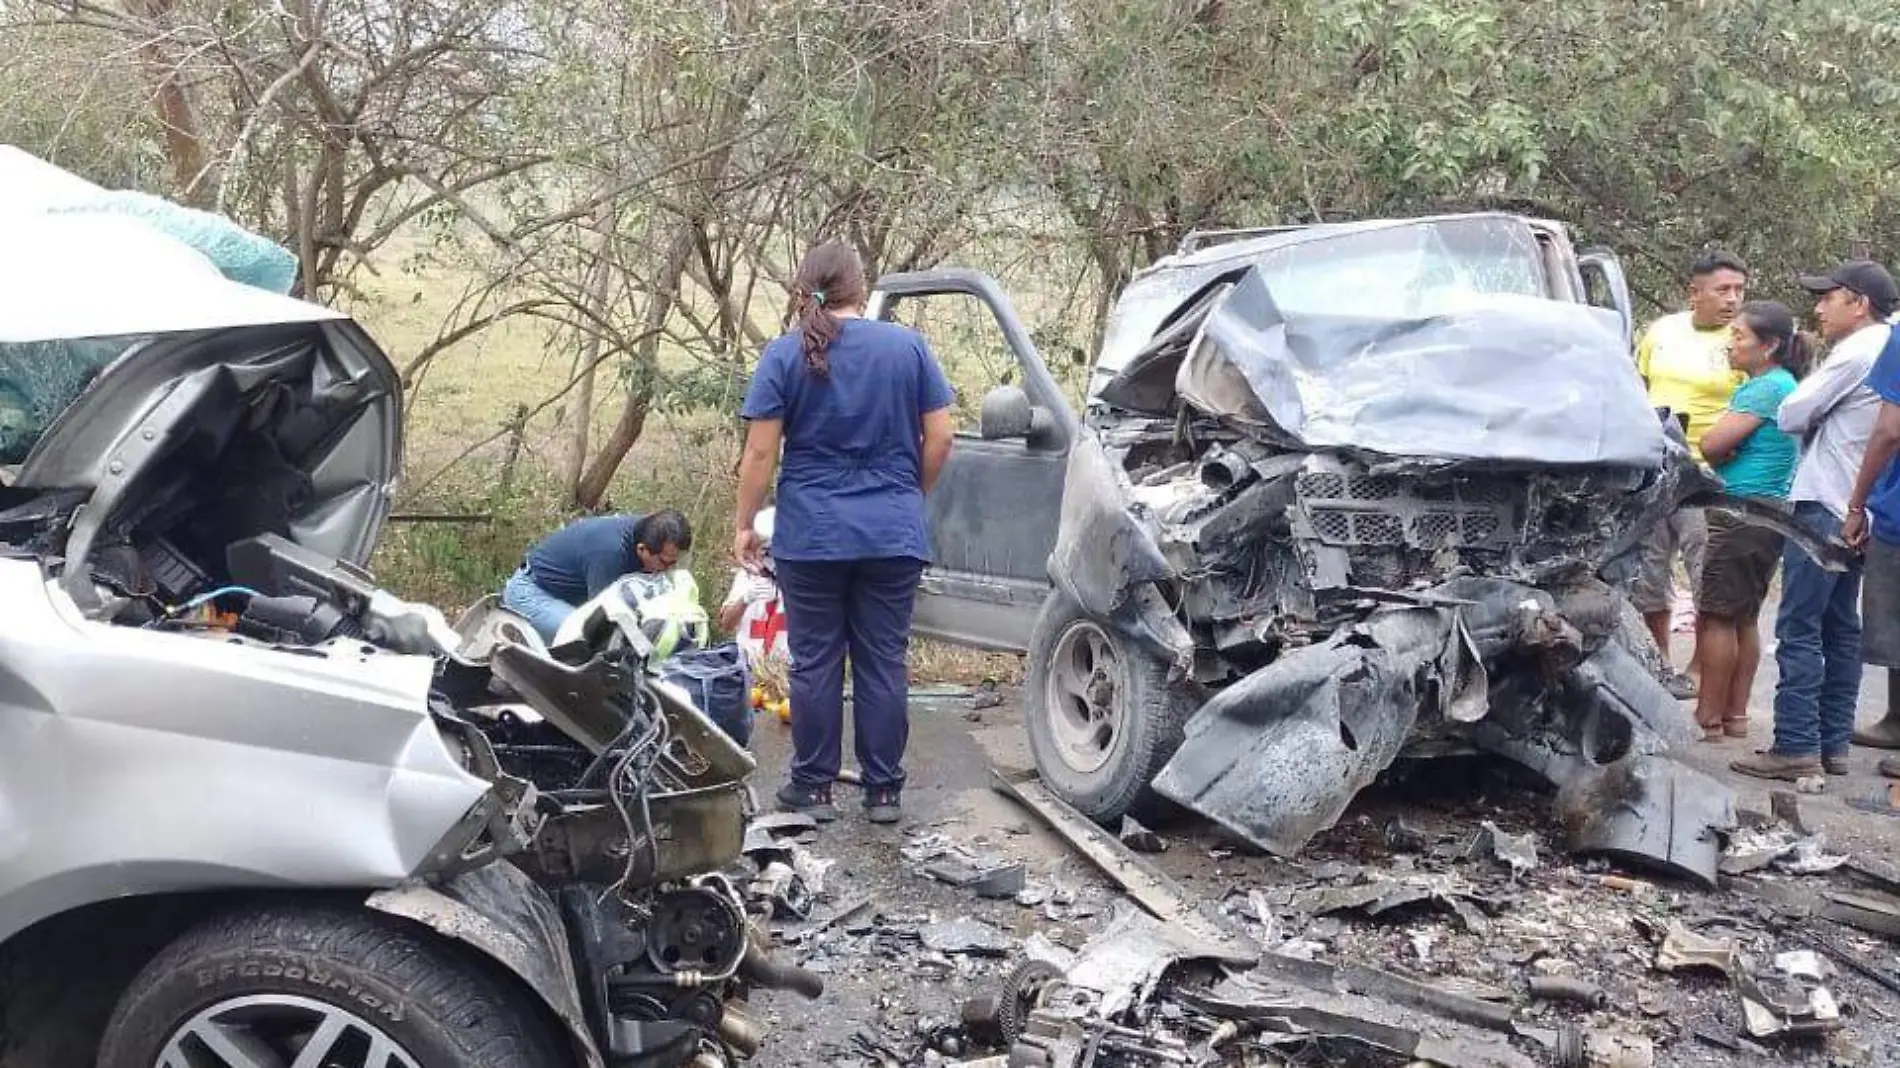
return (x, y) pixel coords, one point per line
(1601, 743)
(500, 912)
(1277, 756)
(1103, 549)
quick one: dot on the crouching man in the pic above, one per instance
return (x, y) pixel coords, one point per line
(583, 558)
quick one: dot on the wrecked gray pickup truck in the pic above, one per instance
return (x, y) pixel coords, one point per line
(1343, 494)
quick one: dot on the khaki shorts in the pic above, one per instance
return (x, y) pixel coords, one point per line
(1738, 568)
(1685, 533)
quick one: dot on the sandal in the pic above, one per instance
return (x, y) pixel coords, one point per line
(1735, 728)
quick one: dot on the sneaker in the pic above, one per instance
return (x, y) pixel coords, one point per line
(1889, 766)
(1836, 765)
(881, 805)
(1772, 765)
(1681, 686)
(813, 801)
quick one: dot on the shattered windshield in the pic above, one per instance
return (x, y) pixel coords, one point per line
(1408, 269)
(41, 379)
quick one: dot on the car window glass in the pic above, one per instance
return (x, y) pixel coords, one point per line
(41, 379)
(1406, 271)
(969, 344)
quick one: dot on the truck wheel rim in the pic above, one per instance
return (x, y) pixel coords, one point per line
(1082, 698)
(281, 1031)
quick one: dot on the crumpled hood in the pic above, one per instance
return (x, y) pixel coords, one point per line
(1496, 377)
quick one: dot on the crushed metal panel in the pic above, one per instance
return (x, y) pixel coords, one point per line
(503, 915)
(1277, 756)
(1457, 376)
(1374, 1022)
(1103, 549)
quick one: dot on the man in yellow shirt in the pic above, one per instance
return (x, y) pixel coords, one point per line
(1683, 359)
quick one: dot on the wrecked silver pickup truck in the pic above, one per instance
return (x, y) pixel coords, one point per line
(1343, 494)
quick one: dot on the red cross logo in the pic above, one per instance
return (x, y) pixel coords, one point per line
(766, 629)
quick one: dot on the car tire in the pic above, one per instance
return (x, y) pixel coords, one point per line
(272, 975)
(1105, 776)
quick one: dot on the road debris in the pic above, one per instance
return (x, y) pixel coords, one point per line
(1381, 895)
(1775, 1009)
(1566, 988)
(1683, 949)
(1785, 848)
(1518, 852)
(1160, 895)
(1139, 838)
(965, 935)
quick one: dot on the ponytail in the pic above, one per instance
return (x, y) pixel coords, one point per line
(1797, 354)
(830, 276)
(1774, 326)
(817, 329)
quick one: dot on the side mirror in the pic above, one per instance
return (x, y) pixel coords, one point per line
(1007, 413)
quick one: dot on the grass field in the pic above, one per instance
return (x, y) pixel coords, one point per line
(462, 458)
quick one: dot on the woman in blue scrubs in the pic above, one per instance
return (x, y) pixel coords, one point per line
(862, 411)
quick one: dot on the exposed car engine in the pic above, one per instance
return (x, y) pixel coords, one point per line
(218, 519)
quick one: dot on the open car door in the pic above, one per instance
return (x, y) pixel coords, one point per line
(995, 508)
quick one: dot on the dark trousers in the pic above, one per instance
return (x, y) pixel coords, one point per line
(862, 607)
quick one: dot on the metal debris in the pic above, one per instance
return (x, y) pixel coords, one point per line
(1614, 1049)
(965, 935)
(1566, 988)
(1773, 1009)
(1683, 949)
(1160, 895)
(1403, 837)
(1383, 895)
(1786, 807)
(1518, 852)
(1139, 838)
(1001, 882)
(1801, 964)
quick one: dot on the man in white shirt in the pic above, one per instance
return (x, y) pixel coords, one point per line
(1817, 628)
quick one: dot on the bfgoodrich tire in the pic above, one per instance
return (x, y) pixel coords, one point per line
(261, 986)
(1102, 717)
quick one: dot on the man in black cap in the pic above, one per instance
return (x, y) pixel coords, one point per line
(1818, 627)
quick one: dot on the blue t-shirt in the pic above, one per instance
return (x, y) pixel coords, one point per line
(1764, 464)
(583, 558)
(850, 484)
(1883, 501)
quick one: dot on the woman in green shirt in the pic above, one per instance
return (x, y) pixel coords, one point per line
(1754, 459)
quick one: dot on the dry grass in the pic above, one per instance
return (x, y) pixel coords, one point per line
(470, 395)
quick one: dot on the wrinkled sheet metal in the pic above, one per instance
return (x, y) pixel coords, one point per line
(1375, 1022)
(1106, 557)
(1495, 377)
(499, 912)
(1279, 755)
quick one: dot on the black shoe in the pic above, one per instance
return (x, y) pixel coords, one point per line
(813, 801)
(1836, 765)
(881, 805)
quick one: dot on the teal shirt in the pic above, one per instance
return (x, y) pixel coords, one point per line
(1764, 465)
